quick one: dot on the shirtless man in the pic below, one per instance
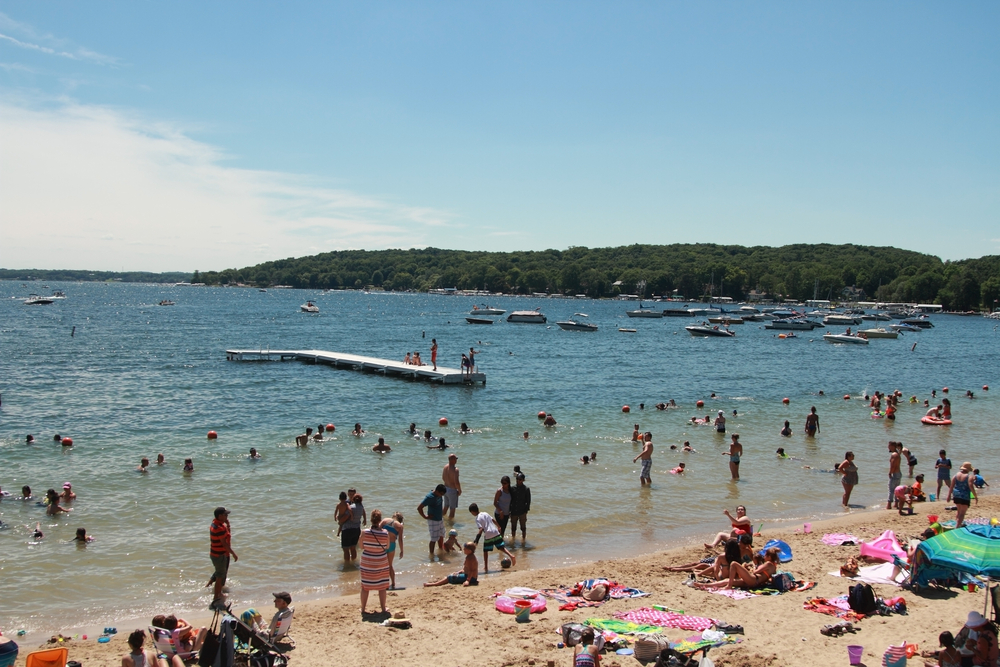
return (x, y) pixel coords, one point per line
(734, 453)
(453, 488)
(646, 455)
(812, 422)
(895, 475)
(303, 440)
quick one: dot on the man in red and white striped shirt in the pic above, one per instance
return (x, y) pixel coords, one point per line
(220, 552)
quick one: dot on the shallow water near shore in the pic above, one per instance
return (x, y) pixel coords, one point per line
(137, 379)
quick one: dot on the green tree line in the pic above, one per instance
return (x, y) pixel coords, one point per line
(77, 275)
(693, 270)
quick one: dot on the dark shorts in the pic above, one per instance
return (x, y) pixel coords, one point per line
(349, 537)
(221, 564)
(493, 543)
(961, 501)
(459, 579)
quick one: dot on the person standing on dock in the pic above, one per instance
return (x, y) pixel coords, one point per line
(434, 352)
(472, 360)
(434, 516)
(646, 455)
(453, 488)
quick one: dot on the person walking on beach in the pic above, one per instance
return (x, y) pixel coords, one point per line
(453, 488)
(221, 549)
(812, 422)
(520, 505)
(646, 455)
(374, 562)
(850, 479)
(943, 467)
(434, 352)
(434, 516)
(735, 453)
(895, 475)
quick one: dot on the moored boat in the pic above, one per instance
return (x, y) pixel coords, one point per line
(486, 310)
(725, 319)
(527, 317)
(878, 332)
(847, 339)
(577, 325)
(309, 307)
(705, 331)
(921, 322)
(478, 320)
(838, 319)
(35, 300)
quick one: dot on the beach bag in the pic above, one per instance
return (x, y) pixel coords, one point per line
(672, 658)
(783, 581)
(894, 656)
(849, 568)
(862, 599)
(647, 648)
(571, 633)
(210, 647)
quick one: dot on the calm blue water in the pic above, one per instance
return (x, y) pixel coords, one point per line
(138, 379)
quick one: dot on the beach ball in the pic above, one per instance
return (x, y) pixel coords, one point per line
(700, 404)
(212, 435)
(541, 415)
(505, 562)
(626, 408)
(330, 428)
(785, 401)
(443, 421)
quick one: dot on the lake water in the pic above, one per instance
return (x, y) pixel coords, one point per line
(137, 379)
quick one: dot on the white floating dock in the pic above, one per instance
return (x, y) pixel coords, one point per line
(361, 363)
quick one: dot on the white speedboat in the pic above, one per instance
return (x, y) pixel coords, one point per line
(705, 331)
(167, 302)
(527, 317)
(837, 319)
(876, 317)
(644, 312)
(844, 338)
(794, 324)
(904, 327)
(725, 319)
(486, 310)
(573, 324)
(309, 307)
(878, 332)
(35, 300)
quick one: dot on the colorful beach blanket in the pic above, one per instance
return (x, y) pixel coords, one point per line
(839, 539)
(619, 592)
(567, 601)
(735, 593)
(832, 607)
(665, 619)
(696, 643)
(621, 627)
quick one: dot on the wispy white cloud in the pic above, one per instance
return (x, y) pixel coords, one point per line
(16, 67)
(48, 44)
(89, 187)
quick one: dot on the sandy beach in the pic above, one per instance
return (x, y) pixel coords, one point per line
(459, 626)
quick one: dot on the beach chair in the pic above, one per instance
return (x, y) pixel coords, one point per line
(995, 600)
(50, 657)
(284, 625)
(259, 648)
(169, 644)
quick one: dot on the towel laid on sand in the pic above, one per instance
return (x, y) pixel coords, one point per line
(665, 619)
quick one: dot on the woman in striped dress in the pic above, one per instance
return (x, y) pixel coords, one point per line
(374, 561)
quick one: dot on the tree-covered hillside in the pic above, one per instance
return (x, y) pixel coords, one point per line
(794, 271)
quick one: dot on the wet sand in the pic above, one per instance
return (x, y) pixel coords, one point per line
(459, 626)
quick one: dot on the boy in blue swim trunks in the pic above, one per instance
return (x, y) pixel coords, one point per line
(469, 574)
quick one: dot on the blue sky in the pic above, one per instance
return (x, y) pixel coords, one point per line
(182, 135)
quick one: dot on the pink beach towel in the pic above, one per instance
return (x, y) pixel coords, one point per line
(665, 619)
(735, 593)
(883, 547)
(839, 539)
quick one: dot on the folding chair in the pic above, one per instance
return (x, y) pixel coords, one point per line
(51, 657)
(169, 644)
(995, 600)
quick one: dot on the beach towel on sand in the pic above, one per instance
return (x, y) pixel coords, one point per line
(839, 539)
(665, 619)
(567, 601)
(832, 607)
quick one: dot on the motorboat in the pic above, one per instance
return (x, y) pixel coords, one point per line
(845, 338)
(756, 317)
(904, 327)
(527, 317)
(876, 317)
(478, 320)
(309, 307)
(486, 310)
(794, 324)
(35, 300)
(725, 319)
(838, 319)
(167, 302)
(878, 332)
(644, 311)
(624, 330)
(58, 294)
(921, 322)
(573, 324)
(262, 290)
(676, 312)
(706, 331)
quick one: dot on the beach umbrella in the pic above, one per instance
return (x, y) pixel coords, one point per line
(972, 549)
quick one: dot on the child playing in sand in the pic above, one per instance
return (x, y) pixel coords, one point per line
(948, 656)
(587, 652)
(490, 531)
(451, 544)
(979, 482)
(917, 489)
(469, 576)
(903, 497)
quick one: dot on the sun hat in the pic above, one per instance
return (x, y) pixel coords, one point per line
(67, 485)
(453, 532)
(966, 467)
(975, 620)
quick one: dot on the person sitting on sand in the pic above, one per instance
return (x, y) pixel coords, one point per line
(712, 565)
(741, 524)
(140, 657)
(741, 577)
(451, 544)
(948, 656)
(381, 446)
(979, 638)
(588, 652)
(916, 489)
(189, 639)
(469, 576)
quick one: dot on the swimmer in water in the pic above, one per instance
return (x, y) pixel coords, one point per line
(735, 414)
(787, 430)
(143, 465)
(413, 430)
(38, 534)
(464, 428)
(188, 465)
(781, 453)
(635, 433)
(688, 447)
(525, 436)
(679, 469)
(593, 456)
(57, 438)
(67, 494)
(427, 436)
(82, 536)
(319, 433)
(160, 460)
(29, 439)
(358, 431)
(253, 454)
(585, 460)
(26, 493)
(381, 446)
(549, 420)
(440, 445)
(303, 439)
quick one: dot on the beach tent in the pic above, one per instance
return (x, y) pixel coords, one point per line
(959, 555)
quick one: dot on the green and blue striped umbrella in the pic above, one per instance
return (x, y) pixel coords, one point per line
(972, 549)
